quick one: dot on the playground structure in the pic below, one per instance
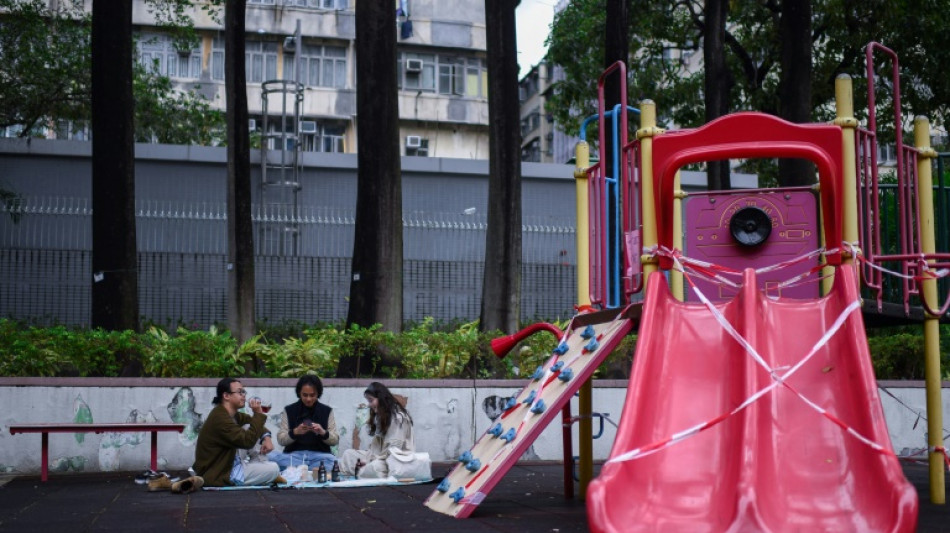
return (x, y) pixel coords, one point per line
(757, 407)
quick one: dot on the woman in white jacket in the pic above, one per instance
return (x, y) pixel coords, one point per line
(391, 428)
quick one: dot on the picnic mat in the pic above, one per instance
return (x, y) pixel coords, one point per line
(345, 484)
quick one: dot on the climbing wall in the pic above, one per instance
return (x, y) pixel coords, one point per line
(588, 342)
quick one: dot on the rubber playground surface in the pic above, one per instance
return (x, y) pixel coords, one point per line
(529, 498)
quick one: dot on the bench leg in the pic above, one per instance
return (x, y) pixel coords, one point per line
(44, 457)
(154, 451)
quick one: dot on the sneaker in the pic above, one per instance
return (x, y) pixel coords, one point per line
(143, 477)
(159, 483)
(189, 484)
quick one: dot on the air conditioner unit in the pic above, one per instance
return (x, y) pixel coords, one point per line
(290, 44)
(251, 124)
(413, 141)
(308, 126)
(413, 65)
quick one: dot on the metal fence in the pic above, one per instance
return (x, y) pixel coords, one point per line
(302, 263)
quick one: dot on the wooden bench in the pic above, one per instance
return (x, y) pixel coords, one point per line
(96, 427)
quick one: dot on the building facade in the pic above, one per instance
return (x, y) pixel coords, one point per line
(442, 75)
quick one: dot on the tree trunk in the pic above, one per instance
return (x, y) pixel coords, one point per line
(115, 302)
(794, 90)
(717, 82)
(240, 266)
(376, 286)
(501, 289)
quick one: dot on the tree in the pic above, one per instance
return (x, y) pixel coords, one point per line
(753, 54)
(794, 97)
(717, 81)
(240, 228)
(376, 286)
(45, 75)
(501, 289)
(115, 304)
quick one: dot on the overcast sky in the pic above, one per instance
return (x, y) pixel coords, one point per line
(533, 20)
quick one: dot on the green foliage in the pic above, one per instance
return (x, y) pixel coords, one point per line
(45, 73)
(840, 30)
(191, 354)
(424, 351)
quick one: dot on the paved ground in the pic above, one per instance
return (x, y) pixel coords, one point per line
(530, 498)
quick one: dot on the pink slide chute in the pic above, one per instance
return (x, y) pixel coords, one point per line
(777, 465)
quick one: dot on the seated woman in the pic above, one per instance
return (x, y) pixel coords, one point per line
(307, 429)
(391, 428)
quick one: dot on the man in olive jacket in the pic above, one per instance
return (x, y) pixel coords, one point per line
(216, 453)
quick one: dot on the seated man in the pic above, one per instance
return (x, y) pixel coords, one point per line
(224, 432)
(307, 429)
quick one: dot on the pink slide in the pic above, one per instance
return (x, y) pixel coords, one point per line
(778, 464)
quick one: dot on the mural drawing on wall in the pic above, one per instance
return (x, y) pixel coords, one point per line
(181, 410)
(112, 444)
(81, 415)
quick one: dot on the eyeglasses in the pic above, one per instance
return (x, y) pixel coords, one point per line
(242, 392)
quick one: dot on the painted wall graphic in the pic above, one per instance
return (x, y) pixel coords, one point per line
(82, 414)
(182, 411)
(112, 445)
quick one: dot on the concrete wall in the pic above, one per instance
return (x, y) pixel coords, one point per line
(449, 415)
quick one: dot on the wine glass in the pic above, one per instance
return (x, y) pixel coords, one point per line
(265, 406)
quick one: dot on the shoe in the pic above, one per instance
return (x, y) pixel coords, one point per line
(280, 480)
(143, 477)
(189, 484)
(159, 483)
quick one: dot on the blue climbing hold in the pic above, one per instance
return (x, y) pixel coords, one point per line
(530, 398)
(466, 456)
(566, 375)
(444, 486)
(538, 407)
(458, 495)
(561, 348)
(556, 367)
(538, 373)
(513, 401)
(588, 332)
(496, 430)
(473, 465)
(509, 435)
(592, 345)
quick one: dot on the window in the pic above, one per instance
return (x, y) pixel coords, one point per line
(320, 66)
(315, 135)
(160, 54)
(217, 58)
(532, 151)
(450, 75)
(530, 122)
(422, 150)
(260, 61)
(317, 4)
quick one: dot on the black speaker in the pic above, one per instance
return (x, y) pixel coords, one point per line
(750, 226)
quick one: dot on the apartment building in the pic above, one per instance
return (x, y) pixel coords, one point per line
(541, 140)
(442, 74)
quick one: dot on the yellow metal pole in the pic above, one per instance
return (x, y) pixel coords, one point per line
(844, 117)
(931, 322)
(676, 277)
(646, 133)
(585, 429)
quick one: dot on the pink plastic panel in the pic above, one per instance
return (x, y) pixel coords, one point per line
(749, 135)
(794, 215)
(777, 465)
